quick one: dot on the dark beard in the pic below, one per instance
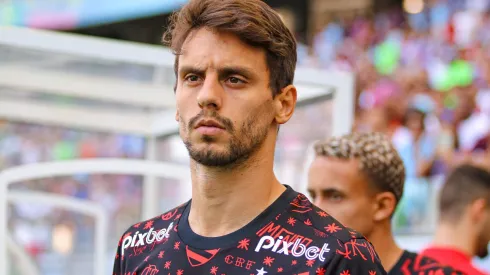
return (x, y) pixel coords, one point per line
(242, 145)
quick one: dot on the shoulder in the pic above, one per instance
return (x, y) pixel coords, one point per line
(322, 224)
(321, 228)
(151, 230)
(428, 264)
(305, 230)
(413, 263)
(159, 221)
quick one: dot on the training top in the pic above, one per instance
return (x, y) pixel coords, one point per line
(415, 264)
(290, 237)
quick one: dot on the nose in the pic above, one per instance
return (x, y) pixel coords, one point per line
(211, 93)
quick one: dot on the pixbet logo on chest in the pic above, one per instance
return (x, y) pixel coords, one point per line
(146, 238)
(296, 249)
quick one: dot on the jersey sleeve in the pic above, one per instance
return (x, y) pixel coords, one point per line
(356, 257)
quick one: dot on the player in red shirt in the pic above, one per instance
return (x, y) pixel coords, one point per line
(235, 66)
(359, 179)
(464, 225)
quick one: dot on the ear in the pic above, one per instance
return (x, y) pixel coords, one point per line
(285, 102)
(385, 206)
(477, 211)
(177, 116)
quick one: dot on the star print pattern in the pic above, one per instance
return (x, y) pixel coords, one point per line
(243, 244)
(322, 213)
(268, 261)
(275, 243)
(148, 225)
(332, 228)
(291, 221)
(261, 271)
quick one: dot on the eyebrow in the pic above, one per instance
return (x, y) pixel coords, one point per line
(222, 72)
(235, 70)
(327, 190)
(184, 70)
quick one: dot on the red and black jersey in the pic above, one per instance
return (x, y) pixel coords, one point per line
(290, 237)
(454, 258)
(411, 263)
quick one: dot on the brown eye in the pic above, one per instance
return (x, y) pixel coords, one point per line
(192, 78)
(235, 81)
(335, 197)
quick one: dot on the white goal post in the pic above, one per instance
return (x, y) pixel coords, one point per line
(66, 168)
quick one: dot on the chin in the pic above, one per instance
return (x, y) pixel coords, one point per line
(212, 146)
(212, 158)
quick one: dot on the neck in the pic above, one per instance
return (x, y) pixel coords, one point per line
(456, 236)
(388, 251)
(225, 200)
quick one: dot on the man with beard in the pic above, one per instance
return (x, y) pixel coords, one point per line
(464, 224)
(235, 63)
(359, 179)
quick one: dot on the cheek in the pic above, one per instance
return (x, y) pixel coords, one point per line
(185, 102)
(252, 117)
(343, 211)
(354, 214)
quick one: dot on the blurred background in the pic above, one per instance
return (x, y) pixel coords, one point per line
(88, 80)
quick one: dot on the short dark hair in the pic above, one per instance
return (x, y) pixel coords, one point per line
(464, 185)
(253, 21)
(378, 158)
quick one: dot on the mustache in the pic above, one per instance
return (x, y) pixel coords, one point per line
(227, 123)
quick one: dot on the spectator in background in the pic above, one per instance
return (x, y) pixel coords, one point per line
(359, 178)
(34, 224)
(464, 226)
(415, 145)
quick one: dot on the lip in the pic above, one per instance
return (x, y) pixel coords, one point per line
(208, 123)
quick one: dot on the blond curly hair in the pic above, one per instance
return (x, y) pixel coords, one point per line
(378, 159)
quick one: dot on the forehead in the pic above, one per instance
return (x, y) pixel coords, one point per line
(212, 49)
(329, 172)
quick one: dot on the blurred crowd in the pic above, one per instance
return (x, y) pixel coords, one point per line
(421, 78)
(37, 226)
(424, 79)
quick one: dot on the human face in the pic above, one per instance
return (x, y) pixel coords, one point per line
(225, 106)
(415, 121)
(338, 187)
